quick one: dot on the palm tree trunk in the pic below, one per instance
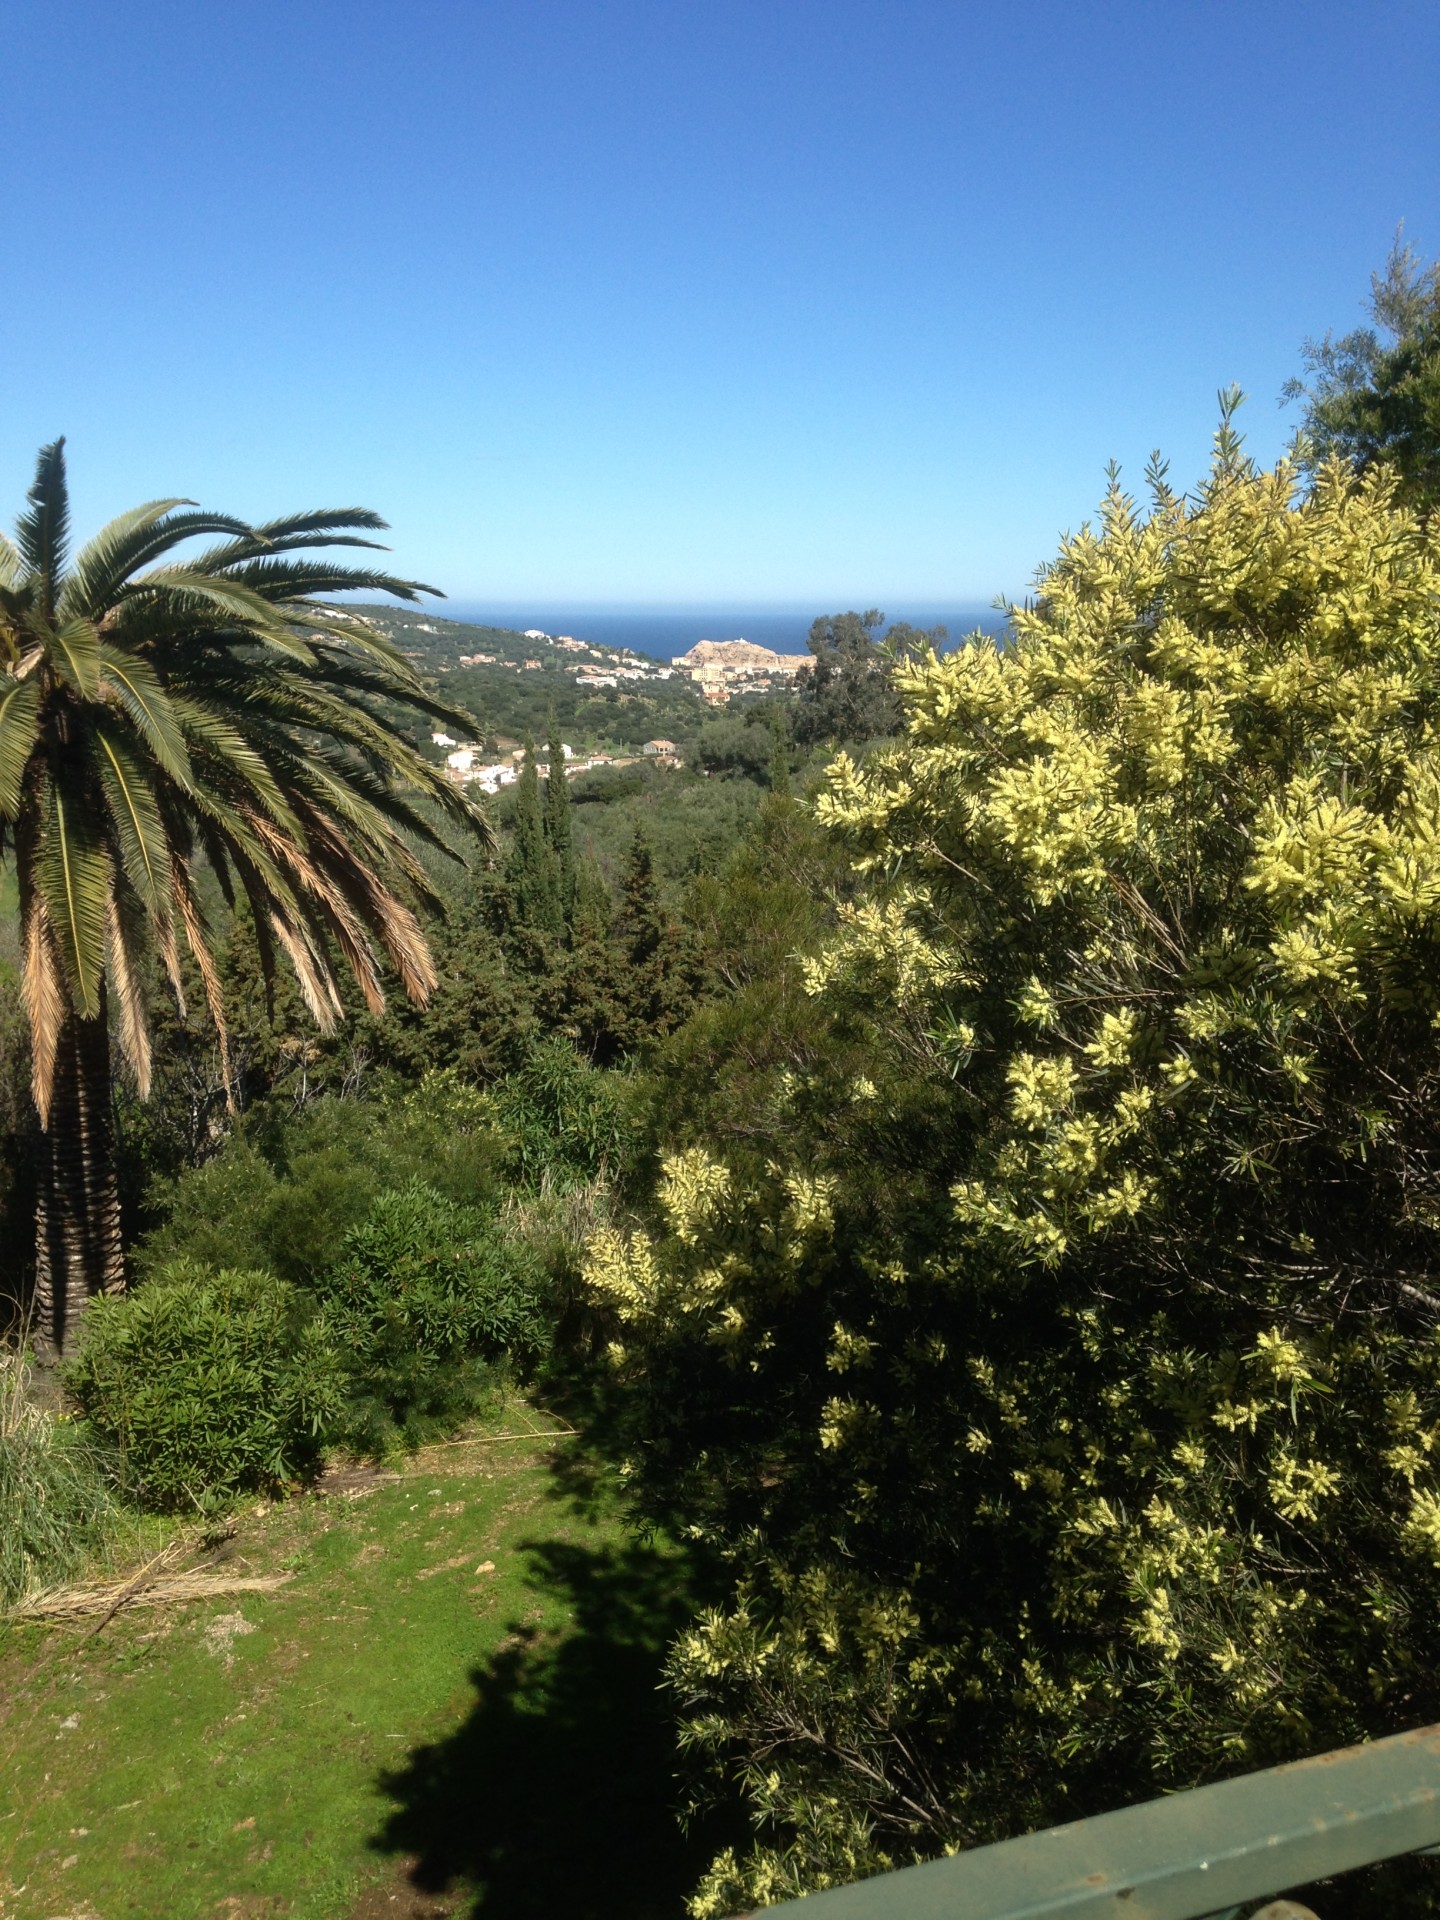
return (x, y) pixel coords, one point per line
(77, 1215)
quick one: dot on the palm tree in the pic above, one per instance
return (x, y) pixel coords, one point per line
(160, 715)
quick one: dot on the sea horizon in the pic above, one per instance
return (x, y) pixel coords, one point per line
(660, 632)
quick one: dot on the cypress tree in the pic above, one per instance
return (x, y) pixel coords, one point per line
(649, 957)
(780, 756)
(531, 867)
(559, 833)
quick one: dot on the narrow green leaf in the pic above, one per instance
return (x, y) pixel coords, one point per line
(118, 552)
(43, 530)
(101, 560)
(226, 596)
(213, 738)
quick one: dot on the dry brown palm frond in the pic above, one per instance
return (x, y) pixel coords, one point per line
(209, 978)
(396, 926)
(339, 916)
(129, 1000)
(317, 987)
(164, 1589)
(401, 935)
(404, 942)
(170, 959)
(44, 996)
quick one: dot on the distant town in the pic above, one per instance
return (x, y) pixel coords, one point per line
(490, 771)
(719, 670)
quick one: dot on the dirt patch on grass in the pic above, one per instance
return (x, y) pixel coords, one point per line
(398, 1898)
(223, 1631)
(352, 1483)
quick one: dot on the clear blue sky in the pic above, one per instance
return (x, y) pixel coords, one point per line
(742, 301)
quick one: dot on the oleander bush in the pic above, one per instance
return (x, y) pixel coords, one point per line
(1054, 1353)
(208, 1384)
(565, 1121)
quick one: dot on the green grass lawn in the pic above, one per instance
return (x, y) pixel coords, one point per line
(450, 1708)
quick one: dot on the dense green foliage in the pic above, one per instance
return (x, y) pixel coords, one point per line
(211, 1382)
(291, 1186)
(425, 1301)
(1046, 1333)
(693, 822)
(208, 1383)
(1374, 395)
(849, 693)
(564, 1123)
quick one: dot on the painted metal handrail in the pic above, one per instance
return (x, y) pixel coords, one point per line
(1184, 1857)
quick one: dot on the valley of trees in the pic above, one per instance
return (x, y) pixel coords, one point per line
(965, 1150)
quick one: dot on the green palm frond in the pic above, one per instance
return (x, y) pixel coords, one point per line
(148, 706)
(74, 877)
(252, 547)
(338, 668)
(74, 646)
(141, 844)
(340, 634)
(11, 565)
(320, 521)
(129, 543)
(219, 749)
(276, 578)
(42, 532)
(186, 590)
(94, 570)
(18, 708)
(327, 527)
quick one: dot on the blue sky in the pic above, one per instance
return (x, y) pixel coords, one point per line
(811, 301)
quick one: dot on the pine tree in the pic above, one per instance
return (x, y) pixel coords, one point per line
(1374, 395)
(594, 909)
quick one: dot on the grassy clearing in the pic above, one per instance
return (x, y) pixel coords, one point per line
(455, 1694)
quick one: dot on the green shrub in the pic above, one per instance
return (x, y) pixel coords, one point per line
(211, 1210)
(427, 1301)
(566, 1121)
(293, 1185)
(56, 1498)
(209, 1384)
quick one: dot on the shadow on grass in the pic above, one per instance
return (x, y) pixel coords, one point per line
(557, 1797)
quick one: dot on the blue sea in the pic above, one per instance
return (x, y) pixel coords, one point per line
(662, 633)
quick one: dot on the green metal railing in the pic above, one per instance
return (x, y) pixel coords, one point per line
(1210, 1851)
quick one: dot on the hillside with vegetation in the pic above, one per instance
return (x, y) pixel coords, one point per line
(511, 683)
(937, 1180)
